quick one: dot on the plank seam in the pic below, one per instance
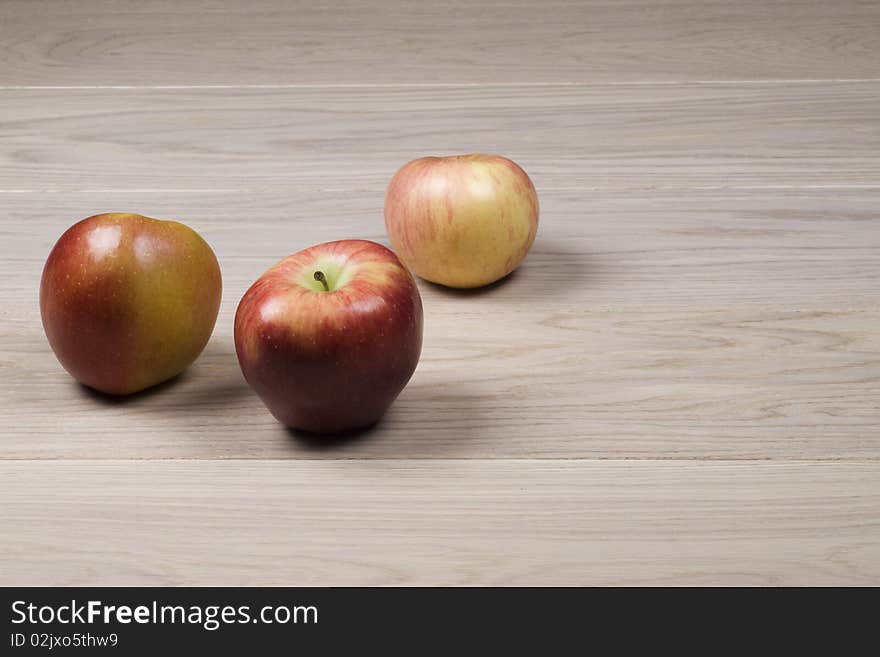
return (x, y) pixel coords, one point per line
(542, 189)
(434, 85)
(549, 459)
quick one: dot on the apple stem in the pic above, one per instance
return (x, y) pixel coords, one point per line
(319, 276)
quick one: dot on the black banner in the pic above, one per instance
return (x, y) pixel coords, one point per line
(132, 621)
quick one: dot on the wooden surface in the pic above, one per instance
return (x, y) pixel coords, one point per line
(440, 521)
(613, 137)
(272, 42)
(681, 385)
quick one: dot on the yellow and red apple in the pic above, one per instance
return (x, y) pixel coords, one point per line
(127, 301)
(329, 336)
(462, 220)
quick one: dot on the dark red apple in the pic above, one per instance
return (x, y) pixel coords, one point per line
(329, 336)
(127, 301)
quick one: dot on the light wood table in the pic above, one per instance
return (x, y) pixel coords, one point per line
(681, 385)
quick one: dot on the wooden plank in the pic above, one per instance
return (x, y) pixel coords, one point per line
(738, 325)
(111, 42)
(621, 137)
(680, 386)
(438, 523)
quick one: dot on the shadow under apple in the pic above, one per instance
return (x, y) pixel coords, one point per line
(214, 379)
(428, 420)
(467, 292)
(322, 442)
(550, 269)
(108, 399)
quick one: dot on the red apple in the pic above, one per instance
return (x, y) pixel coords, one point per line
(329, 336)
(127, 301)
(462, 220)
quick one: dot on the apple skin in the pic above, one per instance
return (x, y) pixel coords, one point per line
(462, 220)
(127, 301)
(331, 361)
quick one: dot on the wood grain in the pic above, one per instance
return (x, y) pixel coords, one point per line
(680, 386)
(657, 325)
(101, 42)
(642, 137)
(439, 522)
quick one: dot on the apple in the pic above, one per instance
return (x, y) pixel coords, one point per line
(127, 301)
(461, 220)
(329, 336)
